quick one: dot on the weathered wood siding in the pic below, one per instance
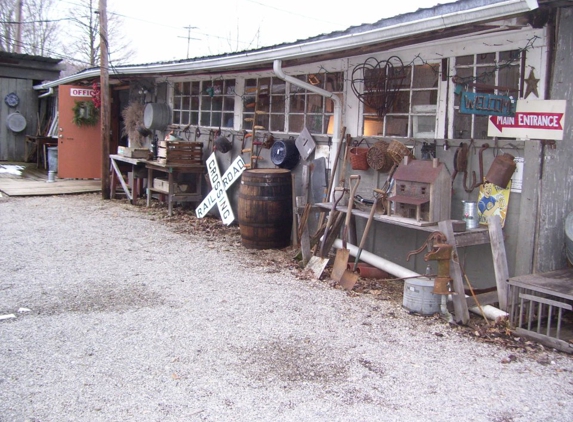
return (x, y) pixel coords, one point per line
(12, 145)
(556, 184)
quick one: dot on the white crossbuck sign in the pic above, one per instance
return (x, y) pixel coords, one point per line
(220, 185)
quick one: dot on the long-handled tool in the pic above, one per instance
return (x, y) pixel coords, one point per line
(318, 263)
(377, 192)
(340, 273)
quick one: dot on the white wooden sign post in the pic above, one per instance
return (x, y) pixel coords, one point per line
(220, 185)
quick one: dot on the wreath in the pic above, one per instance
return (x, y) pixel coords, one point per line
(85, 113)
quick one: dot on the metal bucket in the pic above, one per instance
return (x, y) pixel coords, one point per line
(418, 297)
(53, 159)
(470, 214)
(156, 116)
(284, 154)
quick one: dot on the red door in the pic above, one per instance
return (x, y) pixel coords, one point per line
(79, 147)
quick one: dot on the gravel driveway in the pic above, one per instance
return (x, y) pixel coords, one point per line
(122, 315)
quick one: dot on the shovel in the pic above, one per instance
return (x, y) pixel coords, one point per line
(317, 264)
(340, 273)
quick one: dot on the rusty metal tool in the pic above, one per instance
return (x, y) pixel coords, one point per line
(481, 174)
(340, 273)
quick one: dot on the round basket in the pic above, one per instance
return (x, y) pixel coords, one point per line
(397, 151)
(378, 158)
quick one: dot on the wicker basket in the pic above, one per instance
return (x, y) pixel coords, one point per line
(358, 159)
(378, 158)
(397, 151)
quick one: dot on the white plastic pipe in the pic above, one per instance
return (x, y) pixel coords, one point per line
(337, 112)
(390, 267)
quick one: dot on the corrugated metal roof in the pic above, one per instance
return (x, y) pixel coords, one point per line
(439, 17)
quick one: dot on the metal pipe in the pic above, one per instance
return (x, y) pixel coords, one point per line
(390, 267)
(277, 68)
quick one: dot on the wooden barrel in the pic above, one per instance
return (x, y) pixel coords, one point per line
(265, 208)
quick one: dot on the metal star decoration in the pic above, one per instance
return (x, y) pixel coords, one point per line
(531, 82)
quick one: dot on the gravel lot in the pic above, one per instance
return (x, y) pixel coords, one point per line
(124, 314)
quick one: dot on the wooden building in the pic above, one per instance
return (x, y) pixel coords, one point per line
(445, 57)
(19, 73)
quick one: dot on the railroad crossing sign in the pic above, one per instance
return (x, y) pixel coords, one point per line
(533, 119)
(218, 194)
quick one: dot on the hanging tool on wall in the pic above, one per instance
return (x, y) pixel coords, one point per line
(461, 165)
(379, 195)
(481, 173)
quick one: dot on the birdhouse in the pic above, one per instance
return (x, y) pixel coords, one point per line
(421, 192)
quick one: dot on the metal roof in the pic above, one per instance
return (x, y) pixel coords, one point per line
(439, 17)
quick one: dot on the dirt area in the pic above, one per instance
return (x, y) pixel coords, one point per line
(184, 221)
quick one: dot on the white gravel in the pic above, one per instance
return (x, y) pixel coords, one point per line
(131, 320)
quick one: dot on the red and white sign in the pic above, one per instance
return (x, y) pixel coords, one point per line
(533, 119)
(81, 92)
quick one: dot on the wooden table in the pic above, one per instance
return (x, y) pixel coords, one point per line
(170, 188)
(121, 165)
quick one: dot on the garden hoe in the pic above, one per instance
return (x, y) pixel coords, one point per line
(347, 279)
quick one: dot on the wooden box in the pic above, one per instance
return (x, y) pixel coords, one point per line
(133, 152)
(180, 152)
(161, 184)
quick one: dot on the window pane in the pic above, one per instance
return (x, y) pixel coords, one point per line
(194, 118)
(402, 103)
(229, 103)
(396, 125)
(205, 119)
(176, 118)
(277, 122)
(278, 104)
(509, 77)
(373, 127)
(488, 58)
(314, 103)
(186, 103)
(217, 103)
(205, 103)
(462, 125)
(185, 116)
(509, 56)
(297, 104)
(278, 86)
(216, 119)
(486, 75)
(228, 119)
(464, 60)
(314, 123)
(296, 123)
(426, 76)
(424, 98)
(480, 127)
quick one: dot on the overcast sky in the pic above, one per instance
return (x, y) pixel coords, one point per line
(159, 29)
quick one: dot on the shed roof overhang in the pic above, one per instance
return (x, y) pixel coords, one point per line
(442, 21)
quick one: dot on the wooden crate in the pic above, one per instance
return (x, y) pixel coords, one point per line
(133, 152)
(541, 308)
(179, 152)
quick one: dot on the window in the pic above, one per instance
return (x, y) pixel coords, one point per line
(493, 73)
(280, 107)
(204, 103)
(413, 112)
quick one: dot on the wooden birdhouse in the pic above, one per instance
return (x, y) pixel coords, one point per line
(422, 192)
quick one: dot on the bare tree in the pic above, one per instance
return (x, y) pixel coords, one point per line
(85, 44)
(40, 35)
(7, 25)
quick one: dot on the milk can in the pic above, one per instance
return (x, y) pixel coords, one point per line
(470, 214)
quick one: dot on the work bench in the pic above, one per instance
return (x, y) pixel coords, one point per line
(156, 172)
(121, 165)
(492, 235)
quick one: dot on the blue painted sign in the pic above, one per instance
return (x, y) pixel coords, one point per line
(487, 104)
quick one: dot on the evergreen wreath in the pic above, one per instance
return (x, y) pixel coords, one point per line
(85, 113)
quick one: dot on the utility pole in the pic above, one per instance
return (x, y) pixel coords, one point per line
(105, 100)
(188, 37)
(18, 44)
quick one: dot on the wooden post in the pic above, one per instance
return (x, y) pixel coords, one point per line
(105, 100)
(499, 259)
(459, 299)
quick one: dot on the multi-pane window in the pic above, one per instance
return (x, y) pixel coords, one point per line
(264, 104)
(412, 112)
(275, 105)
(492, 73)
(204, 103)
